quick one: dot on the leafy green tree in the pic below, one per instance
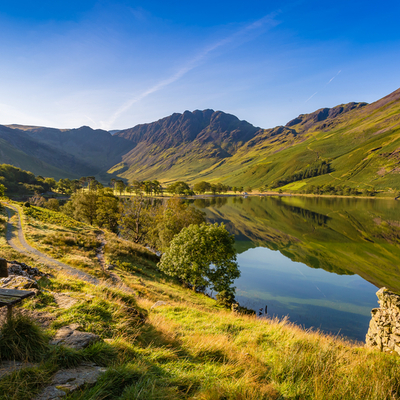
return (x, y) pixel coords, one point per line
(201, 187)
(168, 220)
(180, 188)
(82, 206)
(51, 182)
(204, 256)
(2, 190)
(130, 189)
(90, 181)
(135, 219)
(138, 187)
(64, 186)
(52, 204)
(120, 186)
(75, 185)
(108, 212)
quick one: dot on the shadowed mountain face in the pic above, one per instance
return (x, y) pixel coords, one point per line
(359, 143)
(72, 152)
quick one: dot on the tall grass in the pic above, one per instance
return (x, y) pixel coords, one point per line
(22, 339)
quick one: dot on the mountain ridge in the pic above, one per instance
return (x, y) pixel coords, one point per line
(217, 146)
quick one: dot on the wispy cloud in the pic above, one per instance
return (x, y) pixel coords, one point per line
(330, 80)
(247, 33)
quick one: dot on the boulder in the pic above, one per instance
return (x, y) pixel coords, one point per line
(158, 304)
(70, 336)
(68, 380)
(18, 282)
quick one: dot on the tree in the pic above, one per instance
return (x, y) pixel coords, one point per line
(82, 206)
(168, 220)
(120, 186)
(135, 219)
(37, 200)
(107, 214)
(180, 188)
(64, 186)
(2, 190)
(204, 256)
(201, 187)
(52, 204)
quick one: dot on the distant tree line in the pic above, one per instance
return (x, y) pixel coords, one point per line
(315, 169)
(217, 188)
(339, 190)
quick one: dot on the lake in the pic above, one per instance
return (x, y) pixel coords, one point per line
(318, 261)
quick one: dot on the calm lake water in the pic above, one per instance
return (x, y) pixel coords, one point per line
(318, 261)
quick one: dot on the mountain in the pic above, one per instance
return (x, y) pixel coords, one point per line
(181, 145)
(355, 145)
(64, 152)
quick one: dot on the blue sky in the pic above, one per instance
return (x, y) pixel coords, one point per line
(113, 65)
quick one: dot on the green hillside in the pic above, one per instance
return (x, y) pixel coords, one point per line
(361, 146)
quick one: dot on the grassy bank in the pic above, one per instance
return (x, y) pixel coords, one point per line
(188, 348)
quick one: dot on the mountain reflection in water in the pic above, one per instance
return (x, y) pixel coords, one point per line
(333, 254)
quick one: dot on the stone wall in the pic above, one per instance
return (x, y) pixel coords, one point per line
(384, 327)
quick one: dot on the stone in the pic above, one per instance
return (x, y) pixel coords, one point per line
(64, 301)
(70, 336)
(18, 282)
(158, 304)
(3, 268)
(384, 328)
(68, 380)
(8, 367)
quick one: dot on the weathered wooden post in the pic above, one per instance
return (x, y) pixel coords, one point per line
(3, 268)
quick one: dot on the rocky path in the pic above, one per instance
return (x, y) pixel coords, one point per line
(16, 239)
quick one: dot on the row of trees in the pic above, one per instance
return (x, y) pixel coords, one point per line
(339, 190)
(315, 169)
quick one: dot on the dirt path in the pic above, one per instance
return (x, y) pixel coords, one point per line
(16, 239)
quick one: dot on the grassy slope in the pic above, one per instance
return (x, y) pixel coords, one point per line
(358, 144)
(189, 348)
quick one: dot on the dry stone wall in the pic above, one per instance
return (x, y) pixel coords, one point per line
(384, 327)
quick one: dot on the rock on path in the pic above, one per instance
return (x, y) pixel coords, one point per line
(68, 380)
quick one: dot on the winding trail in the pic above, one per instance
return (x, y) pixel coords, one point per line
(16, 239)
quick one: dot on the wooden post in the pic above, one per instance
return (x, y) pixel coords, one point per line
(3, 268)
(9, 312)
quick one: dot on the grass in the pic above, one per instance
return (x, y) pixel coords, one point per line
(21, 339)
(189, 348)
